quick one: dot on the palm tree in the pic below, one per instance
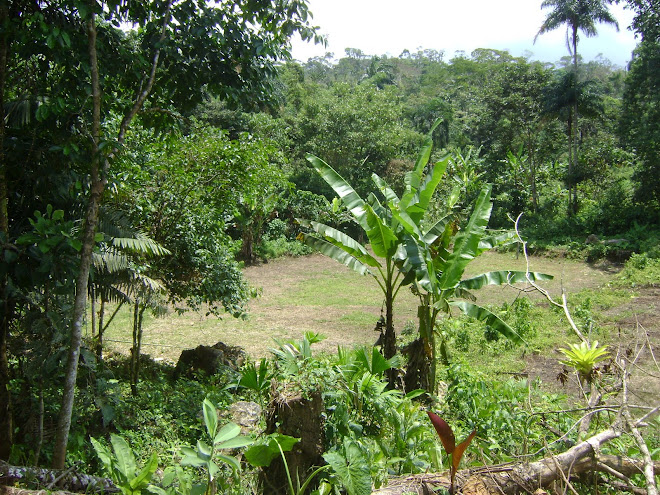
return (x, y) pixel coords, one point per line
(577, 15)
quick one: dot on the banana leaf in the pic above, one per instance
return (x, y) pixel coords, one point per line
(500, 278)
(382, 238)
(467, 242)
(342, 241)
(482, 314)
(346, 193)
(336, 253)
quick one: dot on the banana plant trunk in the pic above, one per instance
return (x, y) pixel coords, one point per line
(421, 368)
(389, 339)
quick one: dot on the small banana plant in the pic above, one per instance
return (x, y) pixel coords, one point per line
(448, 440)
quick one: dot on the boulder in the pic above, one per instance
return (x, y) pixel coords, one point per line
(246, 415)
(209, 360)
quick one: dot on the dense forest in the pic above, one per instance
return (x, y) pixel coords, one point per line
(151, 150)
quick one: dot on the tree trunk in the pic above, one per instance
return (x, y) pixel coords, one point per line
(91, 219)
(99, 337)
(89, 230)
(6, 426)
(573, 207)
(421, 368)
(137, 345)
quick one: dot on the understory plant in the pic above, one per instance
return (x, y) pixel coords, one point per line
(454, 451)
(208, 455)
(119, 463)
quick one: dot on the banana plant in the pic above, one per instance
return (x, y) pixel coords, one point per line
(385, 238)
(438, 271)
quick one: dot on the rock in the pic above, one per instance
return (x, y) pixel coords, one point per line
(246, 415)
(209, 360)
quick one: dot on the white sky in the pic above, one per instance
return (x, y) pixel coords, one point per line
(379, 27)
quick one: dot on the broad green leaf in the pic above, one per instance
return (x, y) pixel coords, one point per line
(336, 253)
(343, 241)
(373, 361)
(500, 278)
(193, 460)
(413, 394)
(124, 455)
(467, 241)
(482, 314)
(383, 240)
(409, 224)
(437, 229)
(156, 490)
(104, 454)
(352, 470)
(235, 443)
(213, 468)
(346, 193)
(262, 453)
(210, 417)
(144, 476)
(203, 450)
(390, 195)
(227, 432)
(420, 201)
(496, 239)
(232, 461)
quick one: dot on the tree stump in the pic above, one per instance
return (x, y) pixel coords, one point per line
(299, 415)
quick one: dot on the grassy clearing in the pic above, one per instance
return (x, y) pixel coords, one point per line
(317, 294)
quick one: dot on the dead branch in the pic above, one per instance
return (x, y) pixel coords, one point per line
(564, 303)
(67, 480)
(649, 475)
(523, 477)
(517, 478)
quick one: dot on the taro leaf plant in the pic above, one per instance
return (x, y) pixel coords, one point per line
(207, 456)
(448, 440)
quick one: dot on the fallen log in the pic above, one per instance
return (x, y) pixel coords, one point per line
(68, 480)
(525, 477)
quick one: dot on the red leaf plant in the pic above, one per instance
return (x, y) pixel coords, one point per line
(449, 443)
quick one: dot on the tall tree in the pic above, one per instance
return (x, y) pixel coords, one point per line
(578, 15)
(640, 124)
(90, 71)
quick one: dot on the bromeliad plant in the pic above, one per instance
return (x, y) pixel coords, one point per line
(448, 440)
(584, 357)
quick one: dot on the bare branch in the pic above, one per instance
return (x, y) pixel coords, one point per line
(544, 292)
